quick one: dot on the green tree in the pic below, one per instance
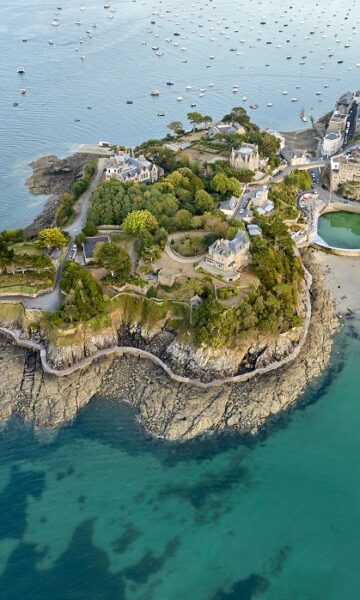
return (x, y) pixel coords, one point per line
(224, 185)
(183, 219)
(176, 127)
(195, 118)
(114, 258)
(51, 238)
(203, 202)
(84, 298)
(138, 220)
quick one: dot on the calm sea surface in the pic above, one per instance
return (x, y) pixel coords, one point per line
(99, 510)
(256, 45)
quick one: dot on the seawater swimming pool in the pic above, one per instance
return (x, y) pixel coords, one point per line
(340, 229)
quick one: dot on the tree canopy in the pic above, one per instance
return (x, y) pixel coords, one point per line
(139, 220)
(114, 258)
(84, 298)
(51, 238)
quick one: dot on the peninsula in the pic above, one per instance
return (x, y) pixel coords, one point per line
(191, 253)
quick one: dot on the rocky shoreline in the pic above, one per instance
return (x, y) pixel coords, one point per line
(53, 176)
(176, 411)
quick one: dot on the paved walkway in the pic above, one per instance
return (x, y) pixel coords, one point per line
(177, 257)
(121, 350)
(51, 301)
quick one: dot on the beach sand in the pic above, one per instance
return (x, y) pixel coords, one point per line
(343, 278)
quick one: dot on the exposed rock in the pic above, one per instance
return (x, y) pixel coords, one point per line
(173, 410)
(55, 176)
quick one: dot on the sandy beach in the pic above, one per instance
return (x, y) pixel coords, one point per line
(343, 278)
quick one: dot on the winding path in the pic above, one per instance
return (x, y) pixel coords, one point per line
(50, 301)
(122, 350)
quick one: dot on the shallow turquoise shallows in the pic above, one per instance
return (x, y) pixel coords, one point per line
(340, 229)
(99, 510)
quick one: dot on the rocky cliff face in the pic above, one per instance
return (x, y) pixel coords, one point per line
(169, 409)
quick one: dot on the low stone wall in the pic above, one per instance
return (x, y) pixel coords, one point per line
(123, 350)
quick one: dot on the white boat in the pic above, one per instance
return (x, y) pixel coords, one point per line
(269, 104)
(23, 91)
(179, 98)
(294, 99)
(188, 87)
(155, 93)
(244, 98)
(55, 23)
(20, 70)
(285, 93)
(51, 42)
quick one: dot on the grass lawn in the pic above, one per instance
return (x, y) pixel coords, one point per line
(27, 283)
(26, 248)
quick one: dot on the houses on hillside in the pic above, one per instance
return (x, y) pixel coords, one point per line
(226, 258)
(344, 168)
(245, 157)
(225, 128)
(125, 167)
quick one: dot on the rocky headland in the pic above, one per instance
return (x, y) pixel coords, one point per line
(168, 408)
(53, 177)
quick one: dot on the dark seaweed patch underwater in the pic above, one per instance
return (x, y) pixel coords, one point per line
(102, 510)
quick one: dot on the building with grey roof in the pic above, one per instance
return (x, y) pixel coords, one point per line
(226, 258)
(225, 128)
(245, 157)
(125, 167)
(90, 244)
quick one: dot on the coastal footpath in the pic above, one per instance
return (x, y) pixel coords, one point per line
(170, 409)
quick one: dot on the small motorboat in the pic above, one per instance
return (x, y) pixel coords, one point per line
(23, 91)
(254, 106)
(20, 70)
(161, 114)
(129, 102)
(155, 93)
(169, 83)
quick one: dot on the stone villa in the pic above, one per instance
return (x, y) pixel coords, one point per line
(246, 157)
(344, 168)
(227, 257)
(225, 128)
(125, 167)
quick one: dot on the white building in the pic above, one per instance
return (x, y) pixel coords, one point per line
(332, 143)
(260, 197)
(229, 206)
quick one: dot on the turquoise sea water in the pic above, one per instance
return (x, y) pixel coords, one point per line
(100, 510)
(340, 229)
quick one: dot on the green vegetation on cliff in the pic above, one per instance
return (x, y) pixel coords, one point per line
(271, 308)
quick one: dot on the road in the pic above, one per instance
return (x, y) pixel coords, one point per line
(315, 163)
(51, 301)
